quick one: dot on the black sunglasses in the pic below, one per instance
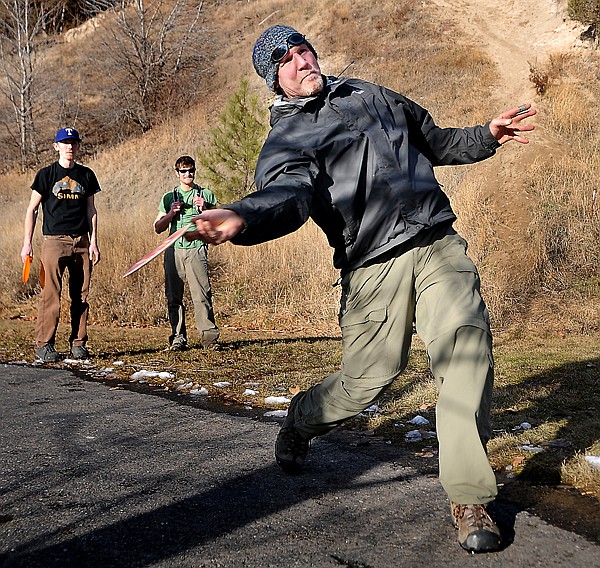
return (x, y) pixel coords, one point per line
(281, 50)
(186, 170)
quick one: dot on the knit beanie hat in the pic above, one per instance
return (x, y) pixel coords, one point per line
(263, 48)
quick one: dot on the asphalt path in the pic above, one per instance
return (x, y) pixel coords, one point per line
(93, 475)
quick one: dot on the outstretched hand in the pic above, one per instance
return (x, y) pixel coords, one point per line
(509, 125)
(215, 226)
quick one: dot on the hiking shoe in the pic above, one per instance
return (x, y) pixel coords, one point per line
(291, 447)
(47, 353)
(79, 352)
(477, 532)
(212, 346)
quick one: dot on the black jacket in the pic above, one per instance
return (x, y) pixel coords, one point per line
(357, 158)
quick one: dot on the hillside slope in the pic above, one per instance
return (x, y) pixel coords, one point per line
(465, 60)
(516, 35)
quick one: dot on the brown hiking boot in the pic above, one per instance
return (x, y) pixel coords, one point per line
(291, 447)
(477, 532)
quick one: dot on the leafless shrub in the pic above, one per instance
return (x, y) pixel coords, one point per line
(539, 78)
(151, 49)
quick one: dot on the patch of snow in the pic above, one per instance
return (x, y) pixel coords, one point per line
(249, 392)
(222, 384)
(199, 392)
(276, 413)
(594, 460)
(419, 421)
(276, 400)
(138, 375)
(413, 436)
(532, 449)
(418, 435)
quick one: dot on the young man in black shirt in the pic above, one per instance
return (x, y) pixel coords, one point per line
(65, 190)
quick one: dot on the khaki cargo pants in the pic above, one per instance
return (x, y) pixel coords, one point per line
(435, 285)
(192, 265)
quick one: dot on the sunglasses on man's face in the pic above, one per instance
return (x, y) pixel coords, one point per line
(281, 50)
(186, 171)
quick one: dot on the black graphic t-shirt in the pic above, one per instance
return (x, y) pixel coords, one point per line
(64, 198)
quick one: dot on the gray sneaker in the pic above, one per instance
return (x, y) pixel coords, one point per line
(179, 344)
(291, 447)
(477, 532)
(47, 353)
(79, 352)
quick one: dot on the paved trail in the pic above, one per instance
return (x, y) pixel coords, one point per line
(96, 477)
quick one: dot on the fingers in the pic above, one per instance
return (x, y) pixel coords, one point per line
(520, 111)
(215, 226)
(95, 257)
(205, 231)
(509, 124)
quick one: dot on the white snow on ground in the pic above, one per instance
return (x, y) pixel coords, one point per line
(594, 460)
(418, 435)
(141, 375)
(371, 410)
(199, 392)
(276, 400)
(249, 392)
(532, 449)
(419, 421)
(276, 413)
(222, 384)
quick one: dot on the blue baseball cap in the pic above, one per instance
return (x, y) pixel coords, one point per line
(67, 134)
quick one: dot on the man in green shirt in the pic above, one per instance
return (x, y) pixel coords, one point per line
(187, 260)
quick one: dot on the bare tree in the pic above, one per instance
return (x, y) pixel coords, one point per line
(148, 49)
(22, 23)
(67, 14)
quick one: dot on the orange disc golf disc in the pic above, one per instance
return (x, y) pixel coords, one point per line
(26, 268)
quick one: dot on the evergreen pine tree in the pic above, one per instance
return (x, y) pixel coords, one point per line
(235, 142)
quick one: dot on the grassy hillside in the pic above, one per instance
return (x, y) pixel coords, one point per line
(547, 259)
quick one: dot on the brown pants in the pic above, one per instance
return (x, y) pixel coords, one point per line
(62, 252)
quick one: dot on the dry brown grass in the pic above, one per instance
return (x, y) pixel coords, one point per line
(565, 228)
(292, 277)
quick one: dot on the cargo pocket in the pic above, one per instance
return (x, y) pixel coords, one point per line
(364, 337)
(463, 264)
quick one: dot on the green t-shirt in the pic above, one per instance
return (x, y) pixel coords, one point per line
(188, 210)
